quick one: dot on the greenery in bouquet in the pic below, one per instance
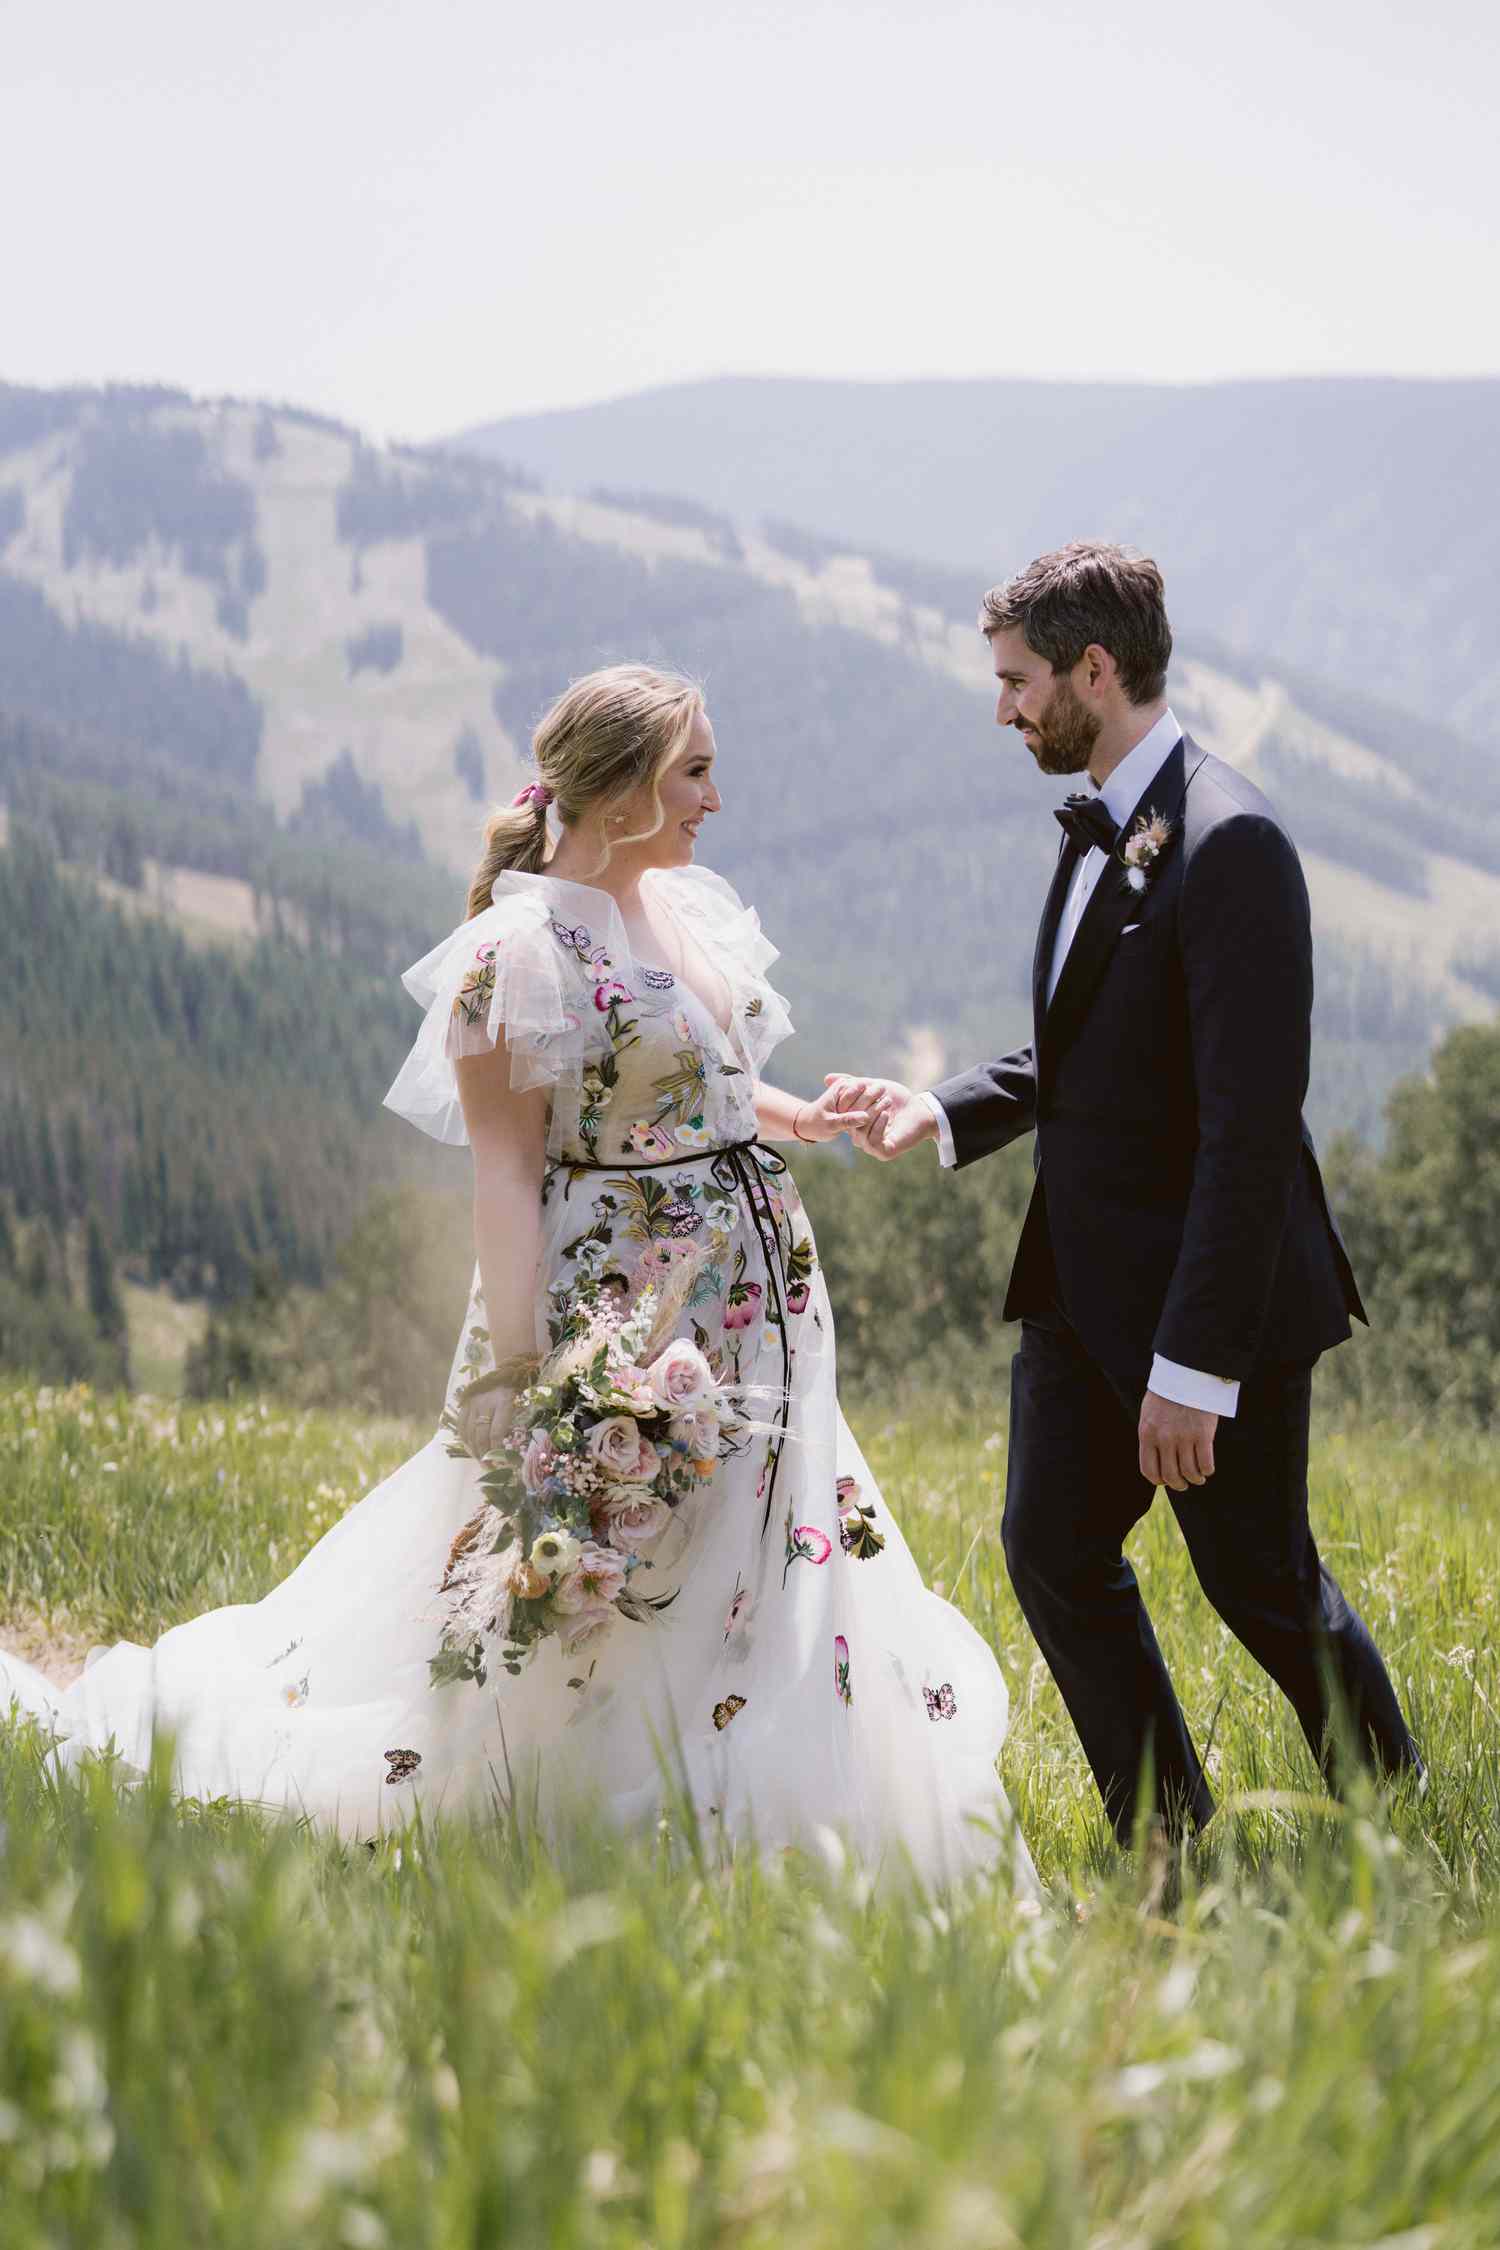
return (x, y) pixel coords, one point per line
(614, 1430)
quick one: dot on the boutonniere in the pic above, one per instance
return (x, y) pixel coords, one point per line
(1143, 848)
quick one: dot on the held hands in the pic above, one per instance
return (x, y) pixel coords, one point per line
(827, 1117)
(892, 1118)
(1176, 1443)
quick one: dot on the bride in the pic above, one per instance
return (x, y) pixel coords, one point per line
(597, 1030)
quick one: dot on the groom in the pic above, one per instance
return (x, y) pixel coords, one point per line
(1179, 1271)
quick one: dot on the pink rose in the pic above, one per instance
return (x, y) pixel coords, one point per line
(540, 1458)
(633, 1517)
(739, 1313)
(681, 1378)
(621, 1451)
(592, 1583)
(582, 1631)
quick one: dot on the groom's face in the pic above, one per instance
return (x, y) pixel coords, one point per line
(1042, 705)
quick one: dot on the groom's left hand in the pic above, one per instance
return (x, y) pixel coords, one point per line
(1176, 1443)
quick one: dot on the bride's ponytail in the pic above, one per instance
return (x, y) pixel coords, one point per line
(515, 836)
(612, 732)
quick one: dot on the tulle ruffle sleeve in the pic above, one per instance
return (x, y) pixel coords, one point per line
(730, 934)
(500, 974)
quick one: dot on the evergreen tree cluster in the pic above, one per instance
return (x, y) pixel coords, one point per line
(138, 484)
(406, 494)
(678, 514)
(210, 1112)
(83, 680)
(341, 805)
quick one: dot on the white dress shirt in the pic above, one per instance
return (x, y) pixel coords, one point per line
(1122, 792)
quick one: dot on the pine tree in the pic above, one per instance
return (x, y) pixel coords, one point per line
(77, 1170)
(20, 1166)
(50, 1198)
(105, 1304)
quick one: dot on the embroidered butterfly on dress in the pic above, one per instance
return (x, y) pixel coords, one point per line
(580, 941)
(729, 1709)
(403, 1764)
(941, 1702)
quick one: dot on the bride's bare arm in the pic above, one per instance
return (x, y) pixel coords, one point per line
(508, 1135)
(780, 1116)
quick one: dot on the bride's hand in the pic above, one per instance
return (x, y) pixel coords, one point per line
(897, 1118)
(484, 1419)
(831, 1114)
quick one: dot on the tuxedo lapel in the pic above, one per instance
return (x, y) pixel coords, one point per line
(1046, 936)
(1111, 905)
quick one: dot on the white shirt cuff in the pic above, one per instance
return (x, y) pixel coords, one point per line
(947, 1154)
(1189, 1386)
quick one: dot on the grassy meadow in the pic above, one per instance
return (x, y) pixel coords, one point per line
(218, 2030)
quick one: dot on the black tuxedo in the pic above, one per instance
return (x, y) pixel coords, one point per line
(1178, 1209)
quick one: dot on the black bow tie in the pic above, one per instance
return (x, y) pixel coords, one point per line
(1085, 822)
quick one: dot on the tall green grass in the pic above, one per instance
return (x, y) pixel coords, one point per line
(218, 2030)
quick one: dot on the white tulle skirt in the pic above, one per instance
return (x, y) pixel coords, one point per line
(783, 1695)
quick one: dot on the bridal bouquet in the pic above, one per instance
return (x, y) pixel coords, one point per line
(611, 1434)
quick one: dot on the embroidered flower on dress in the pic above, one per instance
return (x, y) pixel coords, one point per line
(842, 1685)
(739, 1609)
(804, 1543)
(478, 988)
(857, 1533)
(650, 1140)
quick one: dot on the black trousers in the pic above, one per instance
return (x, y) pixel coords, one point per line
(1074, 1491)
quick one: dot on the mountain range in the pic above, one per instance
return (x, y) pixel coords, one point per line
(259, 675)
(1343, 527)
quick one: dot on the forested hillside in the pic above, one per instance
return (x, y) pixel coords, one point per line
(213, 1114)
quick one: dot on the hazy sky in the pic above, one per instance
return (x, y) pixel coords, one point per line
(420, 214)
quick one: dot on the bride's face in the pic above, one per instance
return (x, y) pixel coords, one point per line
(688, 796)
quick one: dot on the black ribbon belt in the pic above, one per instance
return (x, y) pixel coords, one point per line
(743, 1165)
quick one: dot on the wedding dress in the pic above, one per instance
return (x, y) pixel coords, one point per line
(804, 1678)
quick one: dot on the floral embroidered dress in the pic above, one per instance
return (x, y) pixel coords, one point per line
(800, 1676)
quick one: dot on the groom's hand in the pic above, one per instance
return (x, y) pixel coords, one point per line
(897, 1119)
(1176, 1443)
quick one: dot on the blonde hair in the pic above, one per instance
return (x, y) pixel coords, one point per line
(610, 732)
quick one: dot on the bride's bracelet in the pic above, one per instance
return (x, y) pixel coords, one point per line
(802, 1137)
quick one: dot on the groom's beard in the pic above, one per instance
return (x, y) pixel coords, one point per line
(1063, 742)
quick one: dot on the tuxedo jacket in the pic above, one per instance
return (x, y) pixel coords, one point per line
(1178, 1206)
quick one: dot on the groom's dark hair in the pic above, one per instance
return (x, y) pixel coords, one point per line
(1089, 593)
